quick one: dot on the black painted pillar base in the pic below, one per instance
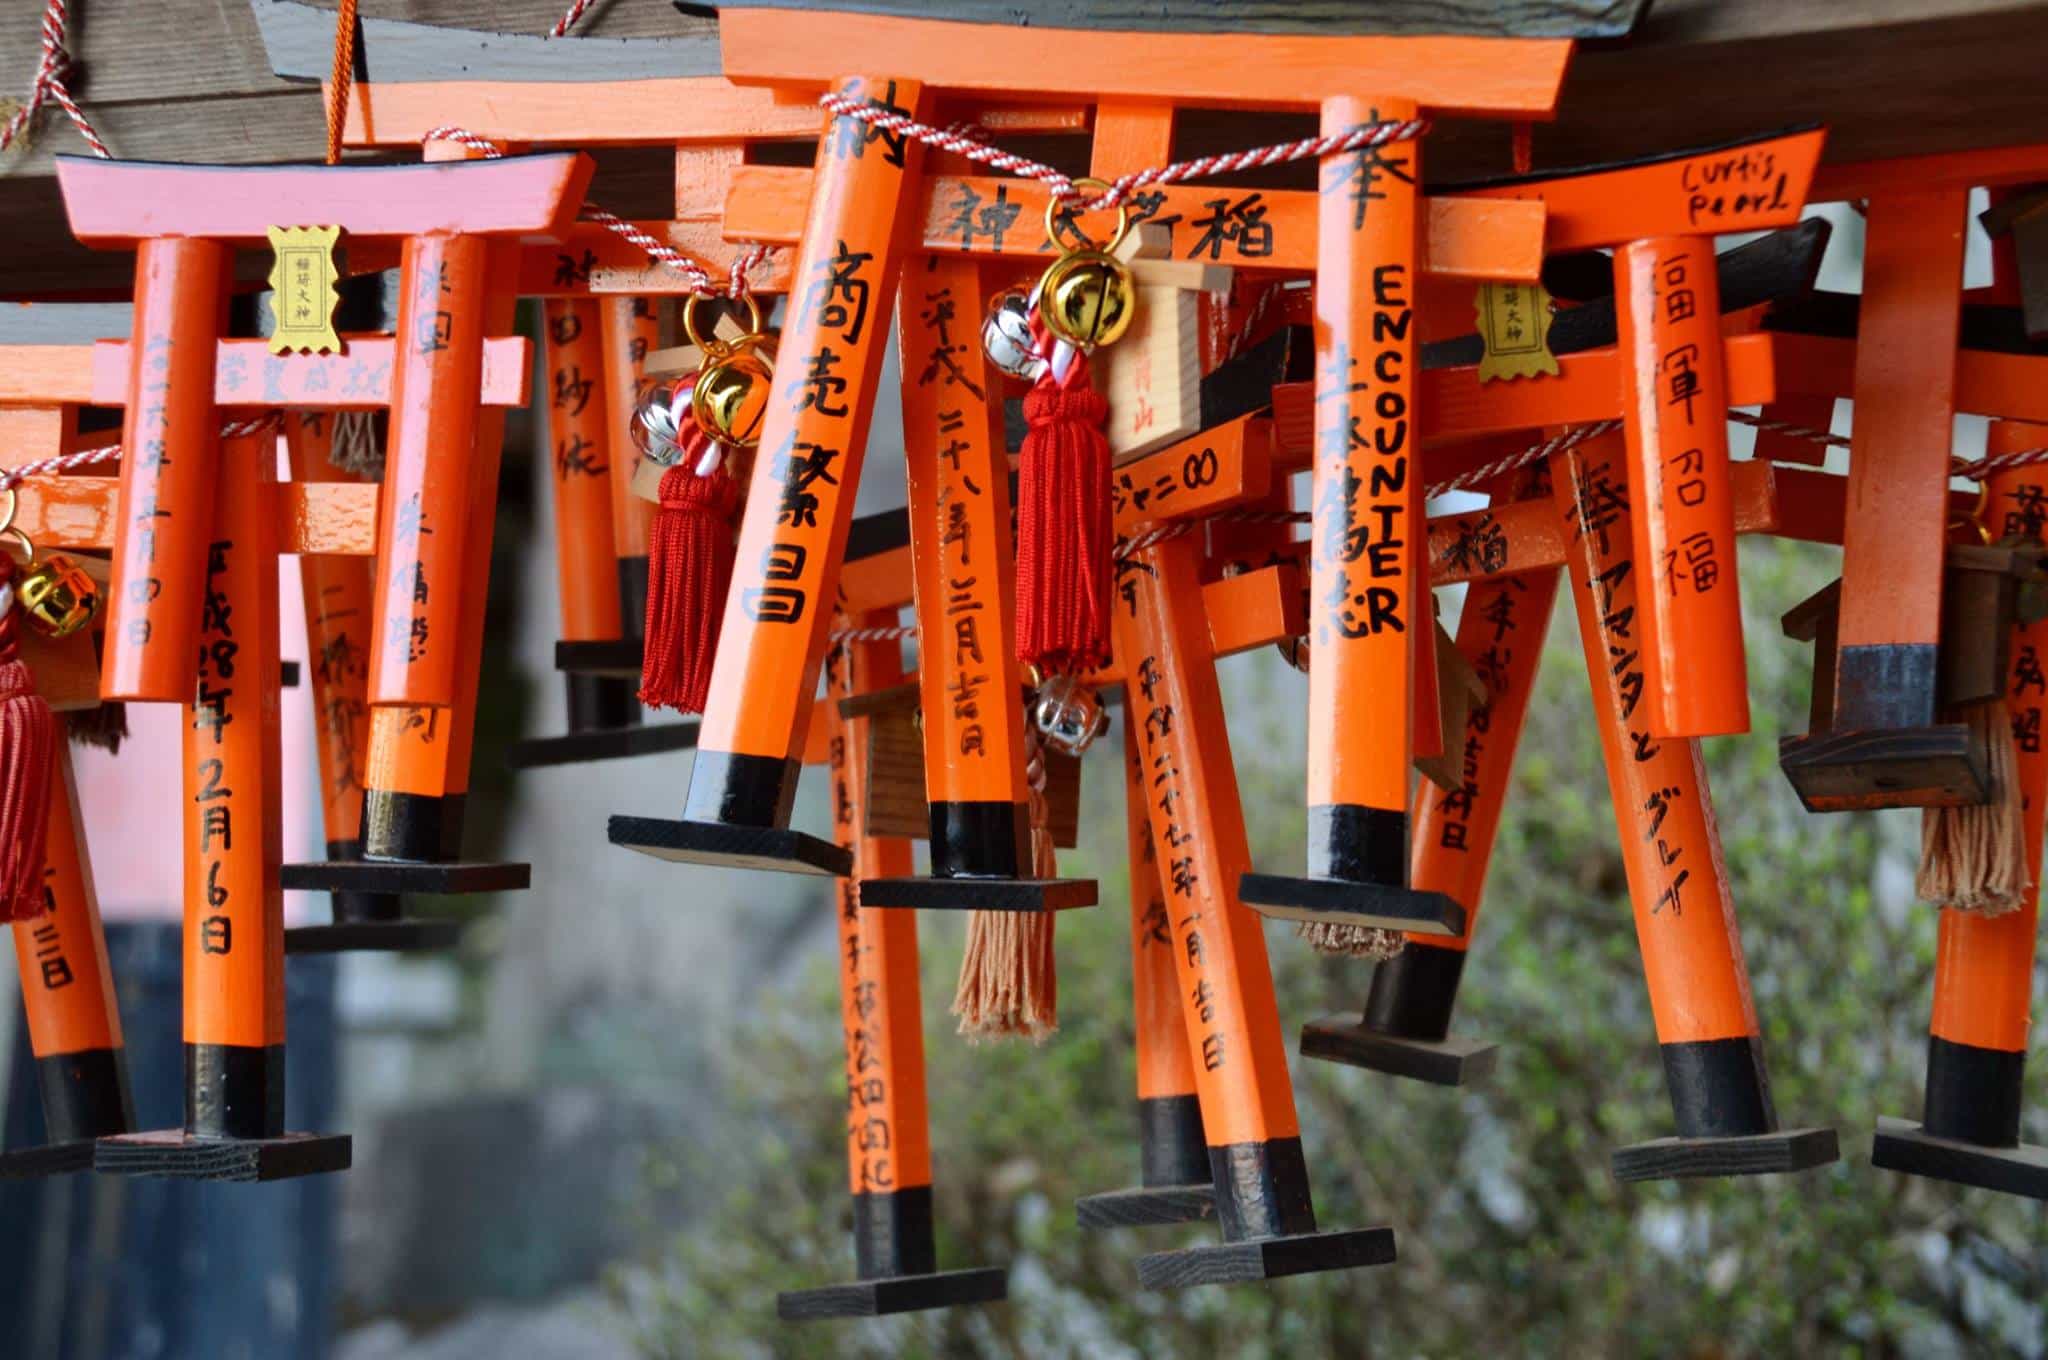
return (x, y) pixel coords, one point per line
(411, 843)
(1406, 1028)
(185, 1156)
(897, 1262)
(736, 816)
(1902, 1145)
(1357, 875)
(1176, 1184)
(1971, 1132)
(598, 702)
(1721, 1102)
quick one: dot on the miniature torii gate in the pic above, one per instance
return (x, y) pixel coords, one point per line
(170, 557)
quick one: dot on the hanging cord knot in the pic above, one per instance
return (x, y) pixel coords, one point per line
(28, 749)
(50, 88)
(690, 550)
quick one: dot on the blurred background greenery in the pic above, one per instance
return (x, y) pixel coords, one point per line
(1513, 1236)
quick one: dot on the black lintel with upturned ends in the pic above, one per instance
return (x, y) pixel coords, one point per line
(374, 937)
(173, 1152)
(979, 894)
(1343, 901)
(893, 1294)
(407, 876)
(1146, 1206)
(1902, 1145)
(46, 1159)
(1940, 765)
(1750, 1154)
(731, 845)
(617, 657)
(608, 743)
(1267, 1258)
(1442, 1062)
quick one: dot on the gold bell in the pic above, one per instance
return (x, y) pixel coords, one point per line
(1088, 296)
(58, 595)
(730, 399)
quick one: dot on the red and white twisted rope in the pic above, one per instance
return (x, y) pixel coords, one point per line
(1974, 471)
(1063, 185)
(107, 453)
(568, 21)
(660, 251)
(893, 633)
(49, 85)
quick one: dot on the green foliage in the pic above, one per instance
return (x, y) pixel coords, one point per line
(1514, 1238)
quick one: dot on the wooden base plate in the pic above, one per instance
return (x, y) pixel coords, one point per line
(1146, 1206)
(1936, 766)
(614, 656)
(1341, 901)
(407, 876)
(1445, 1062)
(374, 937)
(1758, 1154)
(979, 894)
(1902, 1145)
(173, 1152)
(730, 846)
(604, 743)
(49, 1159)
(1268, 1258)
(897, 1294)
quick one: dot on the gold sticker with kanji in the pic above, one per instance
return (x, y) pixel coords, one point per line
(1514, 327)
(302, 290)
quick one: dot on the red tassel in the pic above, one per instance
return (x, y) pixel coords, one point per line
(690, 550)
(1065, 531)
(28, 749)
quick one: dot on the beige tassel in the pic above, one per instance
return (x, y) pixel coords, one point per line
(1353, 942)
(1974, 858)
(1009, 987)
(355, 447)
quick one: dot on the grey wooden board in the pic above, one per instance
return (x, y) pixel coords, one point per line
(1484, 18)
(64, 323)
(299, 40)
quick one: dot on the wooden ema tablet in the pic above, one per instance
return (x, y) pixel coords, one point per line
(183, 222)
(1671, 850)
(888, 1139)
(1231, 1019)
(1175, 1182)
(67, 993)
(1406, 1026)
(800, 501)
(1969, 1130)
(234, 1025)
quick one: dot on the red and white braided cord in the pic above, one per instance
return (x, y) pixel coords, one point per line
(1063, 185)
(107, 453)
(568, 21)
(49, 85)
(655, 248)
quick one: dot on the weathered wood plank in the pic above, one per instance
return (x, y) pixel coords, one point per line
(1479, 18)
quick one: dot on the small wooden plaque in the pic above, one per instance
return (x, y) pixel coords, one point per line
(895, 800)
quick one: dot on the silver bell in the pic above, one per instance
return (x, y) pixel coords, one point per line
(1068, 715)
(658, 421)
(1006, 336)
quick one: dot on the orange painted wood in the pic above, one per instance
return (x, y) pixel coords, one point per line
(1225, 466)
(879, 582)
(1457, 406)
(46, 375)
(964, 563)
(427, 509)
(1989, 167)
(1366, 437)
(1984, 966)
(233, 784)
(246, 373)
(1671, 851)
(1478, 76)
(336, 596)
(121, 203)
(1165, 1066)
(1675, 404)
(792, 536)
(1807, 412)
(1469, 239)
(631, 330)
(1256, 608)
(888, 1120)
(67, 984)
(2013, 386)
(1743, 188)
(1896, 537)
(1231, 1018)
(167, 480)
(586, 556)
(1501, 634)
(685, 110)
